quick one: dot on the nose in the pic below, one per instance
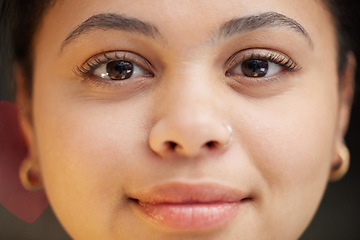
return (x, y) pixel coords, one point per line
(189, 139)
(189, 125)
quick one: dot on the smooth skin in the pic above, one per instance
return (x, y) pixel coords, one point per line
(97, 142)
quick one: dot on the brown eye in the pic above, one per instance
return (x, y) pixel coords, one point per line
(255, 68)
(119, 70)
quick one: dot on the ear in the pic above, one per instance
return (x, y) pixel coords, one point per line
(341, 158)
(30, 174)
(347, 82)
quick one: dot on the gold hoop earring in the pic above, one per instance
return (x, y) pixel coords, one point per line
(31, 181)
(340, 167)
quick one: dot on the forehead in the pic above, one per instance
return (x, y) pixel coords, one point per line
(183, 25)
(175, 17)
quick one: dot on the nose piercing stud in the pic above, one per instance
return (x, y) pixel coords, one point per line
(230, 134)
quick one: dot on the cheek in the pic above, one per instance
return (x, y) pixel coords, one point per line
(289, 139)
(294, 148)
(86, 155)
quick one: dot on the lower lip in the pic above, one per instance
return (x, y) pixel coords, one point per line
(190, 216)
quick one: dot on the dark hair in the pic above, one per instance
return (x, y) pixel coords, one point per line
(20, 19)
(345, 17)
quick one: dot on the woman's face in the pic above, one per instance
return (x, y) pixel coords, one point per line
(213, 119)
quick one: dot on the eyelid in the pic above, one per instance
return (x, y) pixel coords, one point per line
(96, 61)
(264, 54)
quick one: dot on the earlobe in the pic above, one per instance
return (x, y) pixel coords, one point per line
(341, 162)
(30, 175)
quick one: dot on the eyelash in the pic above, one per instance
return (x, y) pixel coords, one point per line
(86, 70)
(260, 54)
(82, 71)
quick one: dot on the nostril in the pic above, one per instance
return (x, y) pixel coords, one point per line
(171, 145)
(212, 144)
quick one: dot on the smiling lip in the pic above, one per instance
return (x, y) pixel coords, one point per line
(189, 206)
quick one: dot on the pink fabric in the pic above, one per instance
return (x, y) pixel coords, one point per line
(25, 204)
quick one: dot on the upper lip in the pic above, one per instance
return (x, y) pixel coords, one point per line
(177, 193)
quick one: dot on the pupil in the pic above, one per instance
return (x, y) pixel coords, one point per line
(255, 68)
(119, 70)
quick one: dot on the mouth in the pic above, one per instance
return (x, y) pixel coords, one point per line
(189, 206)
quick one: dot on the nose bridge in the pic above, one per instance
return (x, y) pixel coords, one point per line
(189, 95)
(188, 115)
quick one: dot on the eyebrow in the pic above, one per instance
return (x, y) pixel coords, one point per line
(264, 20)
(110, 21)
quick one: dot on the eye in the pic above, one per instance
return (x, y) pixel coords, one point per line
(114, 66)
(259, 63)
(256, 68)
(119, 70)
